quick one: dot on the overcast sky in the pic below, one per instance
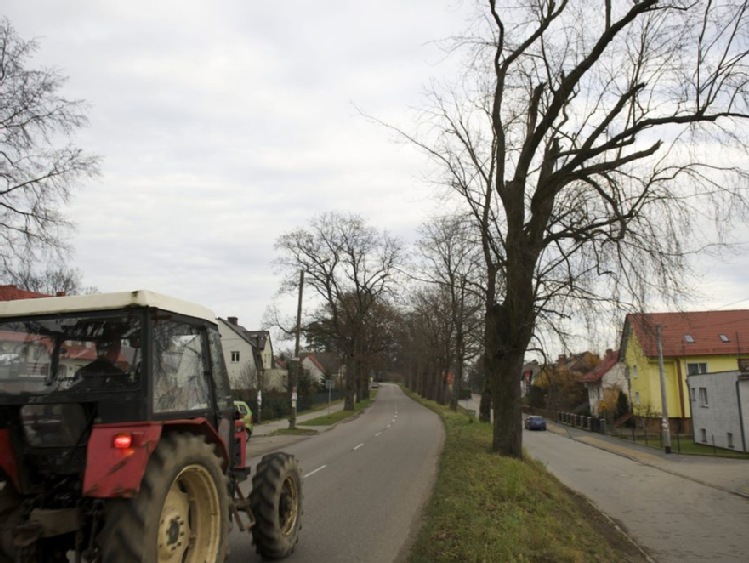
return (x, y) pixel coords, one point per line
(224, 124)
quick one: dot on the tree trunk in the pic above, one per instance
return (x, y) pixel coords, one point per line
(485, 405)
(348, 403)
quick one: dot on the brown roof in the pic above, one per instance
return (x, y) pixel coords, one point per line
(596, 374)
(11, 293)
(698, 333)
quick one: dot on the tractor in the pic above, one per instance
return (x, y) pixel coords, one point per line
(119, 439)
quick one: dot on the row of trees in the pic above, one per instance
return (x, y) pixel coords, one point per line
(581, 140)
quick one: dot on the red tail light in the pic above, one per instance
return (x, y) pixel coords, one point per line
(123, 441)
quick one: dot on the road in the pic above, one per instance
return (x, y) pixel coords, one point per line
(673, 517)
(365, 482)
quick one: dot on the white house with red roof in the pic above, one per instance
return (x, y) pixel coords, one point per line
(604, 382)
(692, 343)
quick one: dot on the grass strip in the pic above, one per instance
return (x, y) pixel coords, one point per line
(332, 418)
(486, 507)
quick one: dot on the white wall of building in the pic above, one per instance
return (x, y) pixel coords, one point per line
(716, 416)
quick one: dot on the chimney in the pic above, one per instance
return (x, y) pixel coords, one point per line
(233, 320)
(562, 359)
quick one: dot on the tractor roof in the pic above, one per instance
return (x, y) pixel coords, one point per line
(104, 302)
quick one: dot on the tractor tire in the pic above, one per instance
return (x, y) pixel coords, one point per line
(276, 502)
(181, 513)
(10, 516)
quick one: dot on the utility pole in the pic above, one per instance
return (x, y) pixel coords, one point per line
(296, 364)
(664, 399)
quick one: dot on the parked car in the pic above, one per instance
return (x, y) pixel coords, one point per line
(535, 423)
(245, 412)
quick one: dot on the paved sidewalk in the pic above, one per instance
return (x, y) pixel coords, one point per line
(730, 475)
(263, 441)
(265, 428)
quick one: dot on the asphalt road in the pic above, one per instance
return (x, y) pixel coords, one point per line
(365, 483)
(673, 517)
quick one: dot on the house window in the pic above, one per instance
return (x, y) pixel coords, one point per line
(692, 394)
(689, 339)
(730, 441)
(634, 372)
(724, 338)
(703, 397)
(637, 398)
(703, 435)
(744, 364)
(235, 357)
(696, 369)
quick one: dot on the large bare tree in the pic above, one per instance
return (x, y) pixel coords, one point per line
(353, 268)
(38, 165)
(592, 141)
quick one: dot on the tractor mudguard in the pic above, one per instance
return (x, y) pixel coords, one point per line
(113, 471)
(116, 471)
(8, 463)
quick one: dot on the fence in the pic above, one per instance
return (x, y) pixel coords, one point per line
(638, 435)
(278, 404)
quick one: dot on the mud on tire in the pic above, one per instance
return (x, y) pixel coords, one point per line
(276, 502)
(180, 514)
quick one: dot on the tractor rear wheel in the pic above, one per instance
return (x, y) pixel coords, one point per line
(276, 502)
(10, 516)
(180, 513)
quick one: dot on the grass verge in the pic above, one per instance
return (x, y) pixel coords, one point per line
(486, 507)
(334, 417)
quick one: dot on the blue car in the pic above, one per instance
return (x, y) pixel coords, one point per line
(535, 423)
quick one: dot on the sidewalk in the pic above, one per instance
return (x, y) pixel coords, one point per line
(730, 475)
(266, 428)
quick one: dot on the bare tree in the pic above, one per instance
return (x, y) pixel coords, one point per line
(592, 141)
(37, 171)
(352, 267)
(52, 281)
(449, 250)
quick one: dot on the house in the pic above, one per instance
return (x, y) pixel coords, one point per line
(692, 343)
(263, 347)
(530, 372)
(239, 354)
(560, 381)
(11, 293)
(720, 409)
(604, 382)
(324, 366)
(312, 365)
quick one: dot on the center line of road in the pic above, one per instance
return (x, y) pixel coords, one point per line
(315, 471)
(357, 447)
(378, 433)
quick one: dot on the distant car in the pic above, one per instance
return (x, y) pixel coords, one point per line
(535, 423)
(374, 385)
(245, 412)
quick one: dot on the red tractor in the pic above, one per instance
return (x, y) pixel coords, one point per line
(119, 441)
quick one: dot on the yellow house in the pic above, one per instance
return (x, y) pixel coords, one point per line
(692, 343)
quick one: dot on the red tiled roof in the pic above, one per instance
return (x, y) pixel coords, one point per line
(702, 329)
(11, 293)
(596, 374)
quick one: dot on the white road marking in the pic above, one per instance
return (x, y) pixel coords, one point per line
(378, 433)
(315, 471)
(357, 447)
